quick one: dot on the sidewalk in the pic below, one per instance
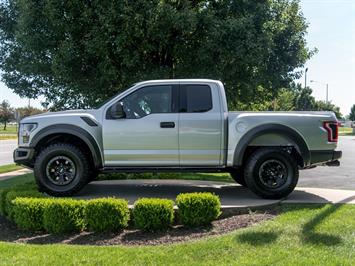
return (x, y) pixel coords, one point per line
(12, 174)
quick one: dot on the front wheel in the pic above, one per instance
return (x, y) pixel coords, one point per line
(238, 176)
(271, 173)
(61, 169)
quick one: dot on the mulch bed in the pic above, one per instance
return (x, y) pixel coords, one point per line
(10, 233)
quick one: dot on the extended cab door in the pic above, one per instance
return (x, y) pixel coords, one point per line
(148, 134)
(200, 125)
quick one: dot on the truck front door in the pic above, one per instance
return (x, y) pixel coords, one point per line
(148, 134)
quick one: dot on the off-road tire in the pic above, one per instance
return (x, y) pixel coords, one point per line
(82, 175)
(255, 173)
(238, 176)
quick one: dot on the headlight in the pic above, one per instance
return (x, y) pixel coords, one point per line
(25, 131)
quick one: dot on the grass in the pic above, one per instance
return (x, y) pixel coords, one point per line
(9, 133)
(10, 130)
(9, 168)
(346, 131)
(300, 235)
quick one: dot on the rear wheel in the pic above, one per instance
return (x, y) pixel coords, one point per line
(61, 169)
(238, 176)
(271, 173)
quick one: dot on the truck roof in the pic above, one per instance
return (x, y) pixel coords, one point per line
(162, 81)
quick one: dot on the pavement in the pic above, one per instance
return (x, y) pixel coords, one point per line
(6, 149)
(233, 196)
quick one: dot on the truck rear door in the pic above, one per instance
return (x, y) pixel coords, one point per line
(200, 126)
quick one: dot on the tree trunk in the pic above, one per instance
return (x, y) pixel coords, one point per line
(4, 125)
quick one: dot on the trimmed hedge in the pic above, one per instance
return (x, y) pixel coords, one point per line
(151, 214)
(64, 216)
(196, 209)
(3, 194)
(107, 214)
(28, 213)
(13, 194)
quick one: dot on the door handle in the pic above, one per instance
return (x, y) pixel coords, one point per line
(167, 124)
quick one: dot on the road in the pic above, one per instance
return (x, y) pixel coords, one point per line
(342, 177)
(6, 149)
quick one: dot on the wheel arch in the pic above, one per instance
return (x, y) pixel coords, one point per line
(283, 132)
(60, 131)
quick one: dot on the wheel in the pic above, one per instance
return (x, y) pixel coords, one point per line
(238, 176)
(271, 173)
(61, 169)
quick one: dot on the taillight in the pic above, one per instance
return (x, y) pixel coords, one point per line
(332, 128)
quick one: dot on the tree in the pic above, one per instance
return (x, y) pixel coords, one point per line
(304, 101)
(352, 113)
(28, 111)
(328, 106)
(6, 113)
(78, 53)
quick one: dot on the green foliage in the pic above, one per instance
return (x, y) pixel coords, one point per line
(3, 194)
(197, 209)
(10, 195)
(28, 213)
(352, 113)
(108, 214)
(77, 53)
(151, 214)
(64, 216)
(6, 112)
(328, 106)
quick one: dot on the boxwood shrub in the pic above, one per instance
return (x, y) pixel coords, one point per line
(152, 214)
(13, 194)
(3, 194)
(196, 209)
(64, 216)
(107, 214)
(28, 213)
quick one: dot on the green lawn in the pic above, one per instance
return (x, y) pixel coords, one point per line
(345, 131)
(301, 235)
(9, 133)
(9, 168)
(10, 129)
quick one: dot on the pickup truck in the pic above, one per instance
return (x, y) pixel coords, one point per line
(175, 126)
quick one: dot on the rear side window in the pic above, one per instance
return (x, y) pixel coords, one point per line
(195, 98)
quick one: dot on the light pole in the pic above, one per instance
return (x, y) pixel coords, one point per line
(305, 77)
(326, 88)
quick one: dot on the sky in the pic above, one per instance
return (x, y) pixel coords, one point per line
(331, 30)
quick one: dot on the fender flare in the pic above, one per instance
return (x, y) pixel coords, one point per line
(267, 129)
(72, 130)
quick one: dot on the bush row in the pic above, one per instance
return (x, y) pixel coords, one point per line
(30, 212)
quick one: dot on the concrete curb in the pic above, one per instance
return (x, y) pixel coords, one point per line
(12, 174)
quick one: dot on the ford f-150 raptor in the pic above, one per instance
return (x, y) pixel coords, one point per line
(176, 125)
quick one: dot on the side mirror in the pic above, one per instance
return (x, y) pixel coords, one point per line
(116, 111)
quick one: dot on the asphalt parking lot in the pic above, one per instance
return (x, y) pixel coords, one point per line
(342, 177)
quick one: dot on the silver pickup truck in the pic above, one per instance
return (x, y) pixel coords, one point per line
(176, 125)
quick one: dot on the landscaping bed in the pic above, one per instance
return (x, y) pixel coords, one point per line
(131, 236)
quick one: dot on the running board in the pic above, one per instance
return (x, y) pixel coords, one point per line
(123, 169)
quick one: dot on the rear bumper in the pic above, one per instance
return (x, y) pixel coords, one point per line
(325, 157)
(24, 156)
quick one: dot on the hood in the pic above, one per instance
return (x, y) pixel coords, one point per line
(79, 112)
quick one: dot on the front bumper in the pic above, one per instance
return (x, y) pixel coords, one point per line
(328, 157)
(24, 156)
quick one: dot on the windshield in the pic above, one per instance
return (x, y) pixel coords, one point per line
(101, 103)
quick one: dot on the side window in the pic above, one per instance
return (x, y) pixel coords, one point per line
(195, 98)
(148, 100)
